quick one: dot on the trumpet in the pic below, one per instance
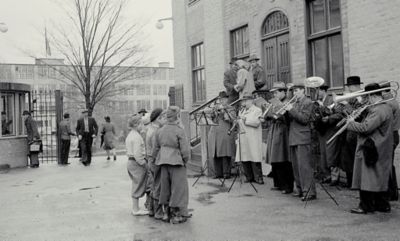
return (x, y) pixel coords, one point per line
(282, 110)
(356, 113)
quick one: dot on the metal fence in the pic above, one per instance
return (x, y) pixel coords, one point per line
(47, 109)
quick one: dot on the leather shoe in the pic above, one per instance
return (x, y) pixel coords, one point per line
(358, 211)
(260, 181)
(297, 194)
(334, 183)
(309, 198)
(226, 176)
(384, 210)
(275, 189)
(287, 191)
(247, 181)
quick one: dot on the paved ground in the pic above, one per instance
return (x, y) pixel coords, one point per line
(93, 203)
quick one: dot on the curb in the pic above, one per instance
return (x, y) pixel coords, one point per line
(4, 167)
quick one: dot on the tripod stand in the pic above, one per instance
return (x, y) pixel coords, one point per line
(239, 165)
(205, 121)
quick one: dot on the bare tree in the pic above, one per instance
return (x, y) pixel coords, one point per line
(100, 50)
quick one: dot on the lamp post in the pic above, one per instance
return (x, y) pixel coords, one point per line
(3, 27)
(160, 25)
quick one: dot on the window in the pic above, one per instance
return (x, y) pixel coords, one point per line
(198, 73)
(240, 42)
(7, 114)
(325, 41)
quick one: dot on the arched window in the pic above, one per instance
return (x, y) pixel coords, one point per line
(275, 22)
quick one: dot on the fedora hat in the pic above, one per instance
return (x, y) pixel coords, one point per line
(253, 57)
(85, 111)
(233, 60)
(353, 80)
(222, 94)
(278, 86)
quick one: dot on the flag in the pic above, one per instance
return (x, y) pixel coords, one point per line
(47, 43)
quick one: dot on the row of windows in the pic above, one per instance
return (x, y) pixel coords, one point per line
(325, 50)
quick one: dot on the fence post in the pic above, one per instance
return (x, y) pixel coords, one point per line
(59, 116)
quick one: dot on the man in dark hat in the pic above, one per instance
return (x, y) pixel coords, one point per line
(32, 136)
(221, 146)
(300, 144)
(258, 72)
(86, 130)
(230, 81)
(142, 112)
(373, 160)
(65, 133)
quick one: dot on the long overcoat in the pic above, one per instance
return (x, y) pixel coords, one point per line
(245, 83)
(249, 143)
(220, 144)
(299, 130)
(378, 126)
(109, 133)
(278, 137)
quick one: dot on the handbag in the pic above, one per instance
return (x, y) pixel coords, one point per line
(36, 146)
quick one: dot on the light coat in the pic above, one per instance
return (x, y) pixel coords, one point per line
(249, 144)
(65, 130)
(245, 83)
(377, 126)
(31, 129)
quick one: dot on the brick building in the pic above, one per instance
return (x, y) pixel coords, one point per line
(293, 38)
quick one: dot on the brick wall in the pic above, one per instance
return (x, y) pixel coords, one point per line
(14, 152)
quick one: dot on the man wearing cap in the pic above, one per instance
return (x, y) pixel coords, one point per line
(171, 151)
(230, 77)
(65, 133)
(157, 120)
(245, 82)
(249, 141)
(32, 136)
(258, 72)
(373, 159)
(86, 129)
(278, 142)
(221, 146)
(300, 144)
(349, 145)
(142, 112)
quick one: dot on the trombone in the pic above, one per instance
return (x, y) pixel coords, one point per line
(282, 110)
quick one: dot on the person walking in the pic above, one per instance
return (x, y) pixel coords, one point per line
(32, 136)
(108, 133)
(65, 133)
(86, 130)
(137, 164)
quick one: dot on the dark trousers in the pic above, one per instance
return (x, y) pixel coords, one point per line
(174, 186)
(65, 144)
(283, 175)
(373, 201)
(303, 168)
(393, 193)
(86, 148)
(252, 170)
(222, 166)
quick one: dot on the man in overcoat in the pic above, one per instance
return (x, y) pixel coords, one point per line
(300, 144)
(258, 73)
(278, 142)
(32, 136)
(373, 159)
(221, 145)
(230, 77)
(86, 130)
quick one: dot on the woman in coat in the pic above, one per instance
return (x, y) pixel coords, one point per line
(373, 159)
(32, 135)
(245, 83)
(108, 133)
(221, 146)
(249, 141)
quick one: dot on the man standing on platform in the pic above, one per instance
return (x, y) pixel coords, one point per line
(86, 130)
(258, 73)
(65, 133)
(230, 77)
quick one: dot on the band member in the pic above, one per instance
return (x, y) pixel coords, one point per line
(349, 145)
(324, 131)
(373, 159)
(258, 73)
(230, 80)
(221, 146)
(278, 142)
(245, 82)
(157, 120)
(393, 187)
(137, 164)
(171, 148)
(249, 141)
(86, 130)
(300, 144)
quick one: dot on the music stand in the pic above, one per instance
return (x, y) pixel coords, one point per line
(203, 120)
(239, 171)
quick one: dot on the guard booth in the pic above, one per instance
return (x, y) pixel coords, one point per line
(15, 98)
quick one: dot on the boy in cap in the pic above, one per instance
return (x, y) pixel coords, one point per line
(171, 150)
(137, 164)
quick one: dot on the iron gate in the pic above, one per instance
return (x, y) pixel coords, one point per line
(47, 109)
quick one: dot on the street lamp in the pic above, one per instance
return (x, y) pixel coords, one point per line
(160, 25)
(3, 27)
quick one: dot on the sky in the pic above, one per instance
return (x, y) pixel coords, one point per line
(26, 20)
